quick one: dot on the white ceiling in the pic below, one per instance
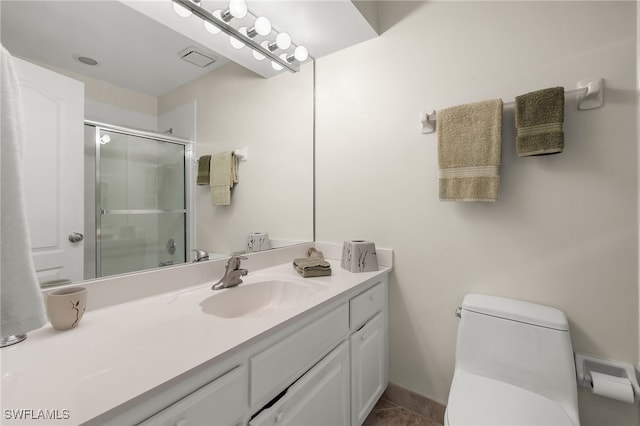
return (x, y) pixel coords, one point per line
(132, 50)
(137, 43)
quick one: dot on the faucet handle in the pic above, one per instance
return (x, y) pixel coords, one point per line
(234, 262)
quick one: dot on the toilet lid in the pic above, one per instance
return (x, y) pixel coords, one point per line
(476, 400)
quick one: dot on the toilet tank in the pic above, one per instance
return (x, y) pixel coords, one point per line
(524, 344)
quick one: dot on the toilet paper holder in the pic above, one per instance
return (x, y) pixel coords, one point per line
(585, 364)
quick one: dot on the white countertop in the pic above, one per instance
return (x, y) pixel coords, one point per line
(122, 351)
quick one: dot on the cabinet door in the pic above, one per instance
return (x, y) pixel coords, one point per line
(368, 367)
(221, 402)
(320, 397)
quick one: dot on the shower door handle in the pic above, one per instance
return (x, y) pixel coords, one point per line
(76, 237)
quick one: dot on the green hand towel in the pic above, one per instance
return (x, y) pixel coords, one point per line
(312, 267)
(539, 118)
(310, 273)
(203, 170)
(311, 263)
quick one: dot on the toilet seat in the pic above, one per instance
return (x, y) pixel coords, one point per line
(477, 400)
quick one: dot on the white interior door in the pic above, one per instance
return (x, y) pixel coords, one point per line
(54, 169)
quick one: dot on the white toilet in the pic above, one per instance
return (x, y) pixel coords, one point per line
(514, 365)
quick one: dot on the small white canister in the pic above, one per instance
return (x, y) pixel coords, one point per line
(258, 241)
(359, 256)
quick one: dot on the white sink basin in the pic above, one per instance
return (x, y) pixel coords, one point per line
(258, 298)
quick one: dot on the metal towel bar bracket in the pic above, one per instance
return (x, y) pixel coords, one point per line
(589, 95)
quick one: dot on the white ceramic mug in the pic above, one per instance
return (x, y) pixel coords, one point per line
(65, 307)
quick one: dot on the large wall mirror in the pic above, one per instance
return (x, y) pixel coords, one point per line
(153, 114)
(225, 108)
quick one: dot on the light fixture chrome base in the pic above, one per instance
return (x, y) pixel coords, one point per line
(12, 340)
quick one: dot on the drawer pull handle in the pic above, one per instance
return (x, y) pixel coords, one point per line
(372, 296)
(279, 417)
(364, 336)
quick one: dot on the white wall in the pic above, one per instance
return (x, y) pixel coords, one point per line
(181, 120)
(564, 231)
(110, 114)
(111, 104)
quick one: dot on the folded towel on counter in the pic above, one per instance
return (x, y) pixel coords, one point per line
(204, 164)
(470, 151)
(21, 304)
(539, 118)
(312, 267)
(224, 174)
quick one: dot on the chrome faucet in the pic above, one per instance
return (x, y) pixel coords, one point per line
(201, 255)
(232, 274)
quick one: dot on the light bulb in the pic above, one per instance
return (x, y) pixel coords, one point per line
(238, 8)
(209, 26)
(262, 26)
(181, 10)
(105, 139)
(259, 56)
(276, 66)
(283, 41)
(235, 42)
(301, 53)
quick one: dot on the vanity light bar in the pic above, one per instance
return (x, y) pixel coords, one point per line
(232, 32)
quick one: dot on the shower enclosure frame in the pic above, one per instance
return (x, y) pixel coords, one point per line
(93, 239)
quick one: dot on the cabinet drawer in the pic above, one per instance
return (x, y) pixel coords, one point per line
(275, 368)
(366, 305)
(320, 397)
(221, 402)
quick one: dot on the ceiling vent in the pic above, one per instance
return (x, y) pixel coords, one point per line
(197, 56)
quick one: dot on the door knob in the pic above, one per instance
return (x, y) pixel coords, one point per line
(76, 237)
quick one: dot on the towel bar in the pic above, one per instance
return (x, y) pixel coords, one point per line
(589, 95)
(242, 154)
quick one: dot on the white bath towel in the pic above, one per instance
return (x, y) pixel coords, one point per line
(223, 174)
(22, 307)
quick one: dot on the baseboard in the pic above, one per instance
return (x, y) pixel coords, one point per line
(415, 402)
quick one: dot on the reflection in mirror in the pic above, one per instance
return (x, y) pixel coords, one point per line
(141, 82)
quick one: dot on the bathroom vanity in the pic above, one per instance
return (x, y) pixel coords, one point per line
(278, 349)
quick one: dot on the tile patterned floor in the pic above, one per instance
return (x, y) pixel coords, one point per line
(386, 413)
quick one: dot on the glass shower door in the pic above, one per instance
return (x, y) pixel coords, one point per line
(141, 211)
